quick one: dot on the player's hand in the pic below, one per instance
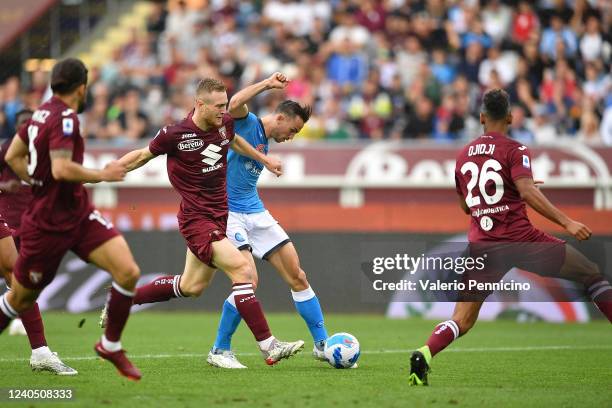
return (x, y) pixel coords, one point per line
(277, 80)
(114, 171)
(274, 165)
(580, 231)
(11, 186)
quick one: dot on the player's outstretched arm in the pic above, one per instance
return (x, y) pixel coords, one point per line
(241, 146)
(64, 169)
(17, 158)
(238, 104)
(136, 158)
(538, 201)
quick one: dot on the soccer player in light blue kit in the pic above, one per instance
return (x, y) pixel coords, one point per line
(251, 228)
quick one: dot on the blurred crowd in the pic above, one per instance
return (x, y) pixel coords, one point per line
(388, 69)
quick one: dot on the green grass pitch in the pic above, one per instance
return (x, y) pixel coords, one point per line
(500, 364)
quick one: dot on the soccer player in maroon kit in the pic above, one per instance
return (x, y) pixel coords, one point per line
(14, 199)
(494, 181)
(196, 150)
(61, 217)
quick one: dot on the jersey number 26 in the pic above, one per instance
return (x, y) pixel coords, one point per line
(489, 172)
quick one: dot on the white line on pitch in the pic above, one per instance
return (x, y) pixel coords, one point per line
(398, 351)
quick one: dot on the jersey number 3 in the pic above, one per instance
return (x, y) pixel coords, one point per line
(489, 172)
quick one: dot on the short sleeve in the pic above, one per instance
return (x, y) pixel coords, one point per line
(62, 134)
(23, 132)
(244, 127)
(520, 162)
(162, 142)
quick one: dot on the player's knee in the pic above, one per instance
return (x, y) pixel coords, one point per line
(243, 273)
(22, 303)
(299, 281)
(128, 275)
(194, 289)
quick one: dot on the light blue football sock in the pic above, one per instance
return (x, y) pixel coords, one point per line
(230, 319)
(307, 305)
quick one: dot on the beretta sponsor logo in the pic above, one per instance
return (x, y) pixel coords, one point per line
(190, 145)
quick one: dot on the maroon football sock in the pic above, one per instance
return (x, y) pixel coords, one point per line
(160, 290)
(600, 292)
(443, 335)
(250, 309)
(119, 304)
(7, 313)
(32, 321)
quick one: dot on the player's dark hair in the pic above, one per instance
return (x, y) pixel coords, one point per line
(22, 116)
(496, 104)
(293, 109)
(209, 85)
(67, 75)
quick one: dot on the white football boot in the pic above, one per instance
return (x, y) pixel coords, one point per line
(16, 328)
(280, 350)
(49, 361)
(224, 359)
(318, 354)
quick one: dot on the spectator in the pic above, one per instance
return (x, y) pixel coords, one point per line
(519, 130)
(131, 123)
(505, 66)
(525, 25)
(589, 128)
(592, 45)
(555, 34)
(496, 20)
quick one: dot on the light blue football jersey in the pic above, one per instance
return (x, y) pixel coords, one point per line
(243, 172)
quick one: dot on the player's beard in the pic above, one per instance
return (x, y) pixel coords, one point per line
(82, 105)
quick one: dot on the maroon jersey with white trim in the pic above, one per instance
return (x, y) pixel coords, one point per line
(56, 205)
(485, 172)
(197, 164)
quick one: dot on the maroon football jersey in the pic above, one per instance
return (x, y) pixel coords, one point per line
(485, 171)
(12, 205)
(56, 205)
(197, 164)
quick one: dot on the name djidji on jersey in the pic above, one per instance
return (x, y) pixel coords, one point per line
(480, 149)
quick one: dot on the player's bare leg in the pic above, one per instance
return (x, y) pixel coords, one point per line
(42, 358)
(464, 318)
(579, 268)
(115, 257)
(237, 268)
(286, 261)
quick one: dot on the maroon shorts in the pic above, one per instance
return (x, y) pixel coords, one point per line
(41, 252)
(200, 232)
(543, 255)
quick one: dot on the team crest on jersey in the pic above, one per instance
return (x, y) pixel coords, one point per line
(35, 277)
(223, 132)
(190, 145)
(68, 126)
(526, 162)
(261, 148)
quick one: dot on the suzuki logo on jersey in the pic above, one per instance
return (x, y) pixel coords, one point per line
(190, 145)
(212, 157)
(526, 163)
(188, 135)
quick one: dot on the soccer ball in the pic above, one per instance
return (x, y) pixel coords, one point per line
(342, 350)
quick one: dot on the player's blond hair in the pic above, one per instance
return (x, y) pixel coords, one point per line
(210, 85)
